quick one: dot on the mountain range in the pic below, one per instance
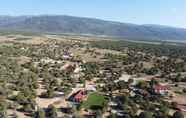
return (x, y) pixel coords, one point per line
(80, 25)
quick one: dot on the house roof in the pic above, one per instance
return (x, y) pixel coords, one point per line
(160, 87)
(79, 95)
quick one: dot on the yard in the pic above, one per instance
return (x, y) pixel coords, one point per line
(94, 101)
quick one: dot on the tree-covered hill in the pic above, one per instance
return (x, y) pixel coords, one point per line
(79, 25)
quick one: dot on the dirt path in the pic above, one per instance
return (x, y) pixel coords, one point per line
(12, 113)
(58, 101)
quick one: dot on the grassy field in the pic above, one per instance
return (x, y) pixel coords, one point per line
(94, 101)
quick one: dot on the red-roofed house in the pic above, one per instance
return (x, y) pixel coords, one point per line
(77, 96)
(160, 89)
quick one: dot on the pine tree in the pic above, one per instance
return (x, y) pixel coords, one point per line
(40, 114)
(52, 113)
(178, 114)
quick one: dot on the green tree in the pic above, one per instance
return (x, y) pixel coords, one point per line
(52, 113)
(146, 114)
(178, 114)
(113, 115)
(174, 104)
(40, 114)
(130, 81)
(165, 110)
(3, 110)
(142, 84)
(184, 90)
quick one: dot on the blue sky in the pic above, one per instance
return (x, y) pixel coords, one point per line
(164, 12)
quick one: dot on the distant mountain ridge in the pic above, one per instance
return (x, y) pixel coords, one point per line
(79, 25)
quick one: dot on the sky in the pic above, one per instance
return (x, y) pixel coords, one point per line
(163, 12)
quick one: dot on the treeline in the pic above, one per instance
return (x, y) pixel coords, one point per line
(161, 49)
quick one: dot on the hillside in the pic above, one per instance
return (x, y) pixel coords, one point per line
(79, 25)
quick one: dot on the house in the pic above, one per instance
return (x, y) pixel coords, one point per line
(112, 104)
(78, 69)
(90, 87)
(79, 85)
(77, 96)
(160, 89)
(69, 67)
(67, 54)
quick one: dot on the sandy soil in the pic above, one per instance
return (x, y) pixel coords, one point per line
(180, 99)
(58, 101)
(11, 113)
(23, 59)
(4, 39)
